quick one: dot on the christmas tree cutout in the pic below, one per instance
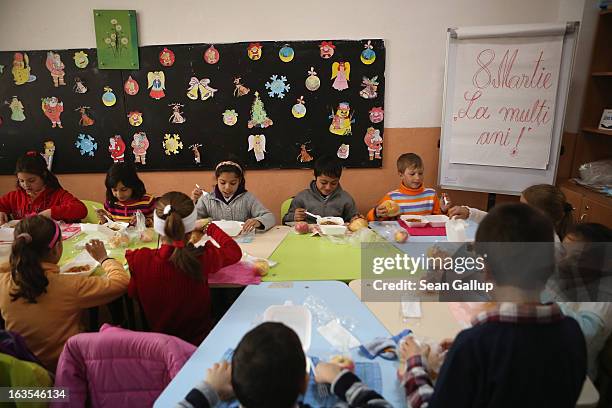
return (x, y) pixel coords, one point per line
(259, 118)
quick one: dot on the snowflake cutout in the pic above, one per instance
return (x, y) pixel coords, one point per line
(172, 144)
(277, 86)
(86, 144)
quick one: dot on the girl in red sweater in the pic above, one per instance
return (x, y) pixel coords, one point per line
(39, 192)
(171, 283)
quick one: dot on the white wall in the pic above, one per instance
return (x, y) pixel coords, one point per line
(414, 32)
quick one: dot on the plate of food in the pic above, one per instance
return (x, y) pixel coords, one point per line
(330, 221)
(79, 268)
(414, 221)
(231, 228)
(116, 226)
(438, 220)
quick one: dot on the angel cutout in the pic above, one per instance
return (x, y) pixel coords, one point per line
(341, 71)
(257, 143)
(156, 80)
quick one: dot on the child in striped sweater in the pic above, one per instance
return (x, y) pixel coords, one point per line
(411, 197)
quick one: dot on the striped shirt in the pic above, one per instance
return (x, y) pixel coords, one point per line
(124, 211)
(419, 201)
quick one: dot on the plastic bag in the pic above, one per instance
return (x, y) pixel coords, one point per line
(141, 222)
(598, 173)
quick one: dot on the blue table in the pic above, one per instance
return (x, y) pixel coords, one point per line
(247, 311)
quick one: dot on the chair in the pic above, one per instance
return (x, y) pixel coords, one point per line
(20, 373)
(285, 208)
(92, 217)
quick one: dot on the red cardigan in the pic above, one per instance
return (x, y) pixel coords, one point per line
(174, 303)
(64, 206)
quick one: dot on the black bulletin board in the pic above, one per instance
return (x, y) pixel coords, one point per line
(204, 124)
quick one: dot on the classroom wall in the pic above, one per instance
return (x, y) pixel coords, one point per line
(415, 38)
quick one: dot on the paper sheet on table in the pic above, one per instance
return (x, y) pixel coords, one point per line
(411, 309)
(338, 336)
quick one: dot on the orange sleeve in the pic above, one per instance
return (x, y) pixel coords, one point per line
(436, 207)
(371, 216)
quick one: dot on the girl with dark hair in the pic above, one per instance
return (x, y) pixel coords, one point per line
(126, 194)
(40, 304)
(171, 283)
(39, 192)
(231, 201)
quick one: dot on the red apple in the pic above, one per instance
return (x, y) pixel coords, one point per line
(301, 227)
(343, 361)
(401, 236)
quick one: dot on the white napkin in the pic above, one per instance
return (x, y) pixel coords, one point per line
(411, 309)
(338, 336)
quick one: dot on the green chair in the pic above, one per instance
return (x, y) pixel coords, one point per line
(92, 217)
(285, 208)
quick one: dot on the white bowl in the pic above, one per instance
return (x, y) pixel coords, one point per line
(333, 229)
(231, 228)
(436, 220)
(297, 317)
(334, 220)
(117, 226)
(414, 224)
(91, 265)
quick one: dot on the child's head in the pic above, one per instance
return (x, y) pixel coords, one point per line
(37, 239)
(230, 177)
(518, 242)
(552, 202)
(122, 183)
(33, 175)
(269, 367)
(327, 172)
(588, 232)
(410, 168)
(175, 219)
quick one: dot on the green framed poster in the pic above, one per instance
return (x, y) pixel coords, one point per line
(116, 39)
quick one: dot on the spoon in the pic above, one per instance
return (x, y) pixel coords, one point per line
(313, 215)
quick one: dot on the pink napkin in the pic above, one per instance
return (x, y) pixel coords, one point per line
(241, 273)
(69, 230)
(423, 231)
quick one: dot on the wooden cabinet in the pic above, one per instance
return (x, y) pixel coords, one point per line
(589, 206)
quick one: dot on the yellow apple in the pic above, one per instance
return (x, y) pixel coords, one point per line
(401, 236)
(343, 361)
(357, 224)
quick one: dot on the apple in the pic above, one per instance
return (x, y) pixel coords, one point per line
(393, 208)
(301, 227)
(401, 236)
(343, 361)
(261, 267)
(357, 224)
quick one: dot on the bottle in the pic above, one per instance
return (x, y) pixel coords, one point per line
(445, 203)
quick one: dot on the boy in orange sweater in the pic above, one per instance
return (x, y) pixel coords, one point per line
(411, 197)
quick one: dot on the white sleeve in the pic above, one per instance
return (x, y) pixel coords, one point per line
(476, 215)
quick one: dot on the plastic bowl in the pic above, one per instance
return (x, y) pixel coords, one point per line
(410, 220)
(231, 228)
(333, 229)
(334, 220)
(436, 220)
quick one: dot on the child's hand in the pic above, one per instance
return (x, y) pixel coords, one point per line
(96, 249)
(133, 220)
(46, 213)
(326, 372)
(410, 348)
(219, 377)
(459, 211)
(3, 218)
(196, 193)
(103, 215)
(382, 211)
(356, 216)
(250, 225)
(299, 215)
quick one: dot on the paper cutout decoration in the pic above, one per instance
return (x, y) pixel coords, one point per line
(140, 144)
(80, 59)
(108, 97)
(116, 39)
(202, 86)
(49, 151)
(259, 117)
(17, 110)
(1, 69)
(277, 86)
(172, 144)
(230, 117)
(56, 67)
(304, 156)
(299, 109)
(368, 56)
(211, 55)
(53, 108)
(131, 86)
(326, 49)
(21, 69)
(135, 118)
(240, 90)
(79, 86)
(156, 82)
(257, 143)
(312, 81)
(85, 120)
(195, 148)
(86, 144)
(341, 120)
(341, 71)
(343, 151)
(166, 57)
(177, 115)
(377, 114)
(254, 51)
(370, 88)
(116, 148)
(286, 53)
(374, 141)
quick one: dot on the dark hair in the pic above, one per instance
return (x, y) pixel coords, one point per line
(269, 367)
(231, 168)
(409, 160)
(518, 242)
(185, 259)
(328, 166)
(552, 201)
(31, 245)
(32, 162)
(590, 232)
(124, 173)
